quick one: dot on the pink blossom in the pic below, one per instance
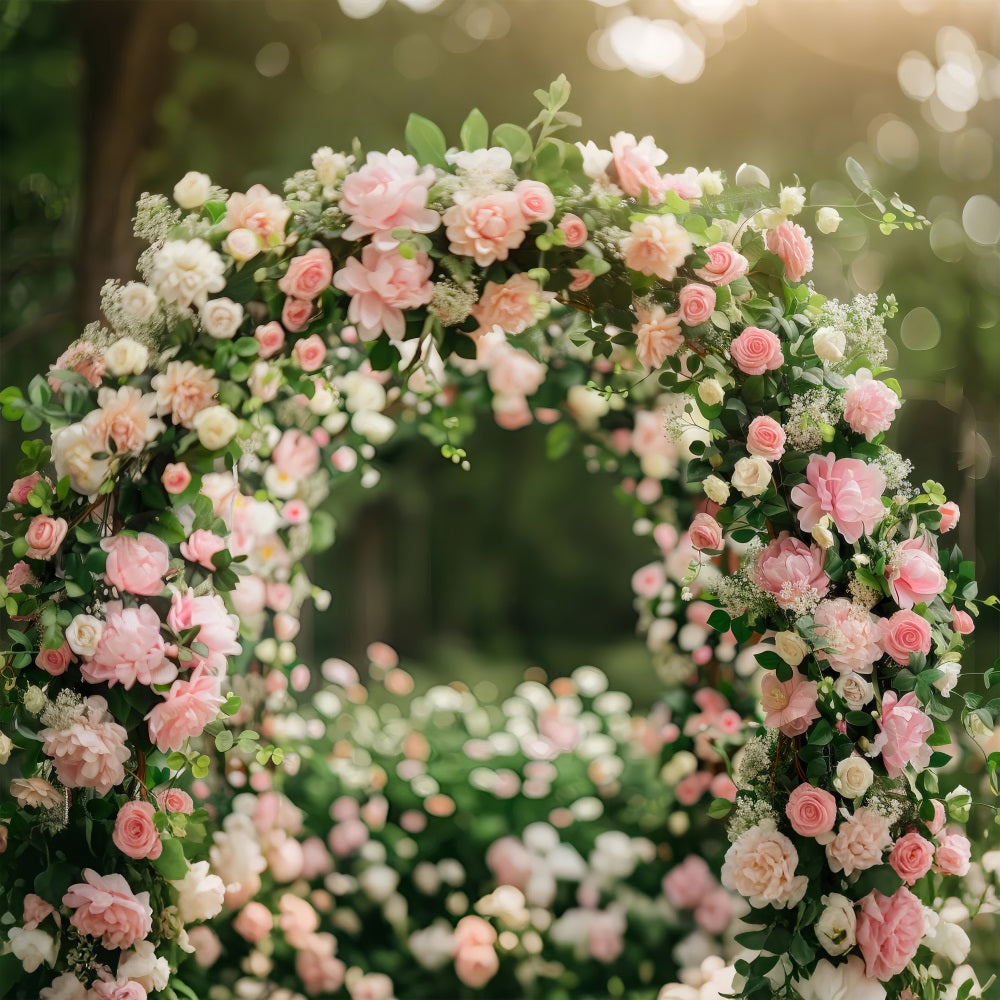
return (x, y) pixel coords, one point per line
(648, 581)
(296, 455)
(513, 306)
(962, 621)
(217, 629)
(756, 351)
(316, 965)
(847, 489)
(308, 275)
(535, 200)
(200, 546)
(724, 265)
(44, 536)
(175, 800)
(270, 337)
(135, 832)
(472, 930)
(296, 313)
(714, 911)
(635, 166)
(295, 512)
(904, 732)
(911, 857)
(811, 811)
(766, 438)
(851, 633)
(373, 986)
(696, 303)
(382, 285)
(55, 661)
(486, 228)
(686, 884)
(124, 418)
(84, 359)
(581, 279)
(20, 576)
(36, 910)
(254, 922)
(705, 533)
(761, 865)
(575, 230)
(91, 751)
(388, 192)
(952, 855)
(310, 353)
(183, 390)
(914, 573)
(105, 907)
(347, 837)
(949, 516)
(658, 336)
(21, 488)
(788, 705)
(790, 570)
(130, 650)
(176, 477)
(510, 862)
(186, 709)
(904, 633)
(136, 565)
(790, 243)
(889, 931)
(106, 988)
(691, 788)
(657, 245)
(513, 372)
(605, 935)
(476, 965)
(859, 843)
(263, 213)
(869, 406)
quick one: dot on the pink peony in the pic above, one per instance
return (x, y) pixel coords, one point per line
(686, 884)
(200, 546)
(263, 213)
(911, 857)
(310, 353)
(296, 455)
(270, 337)
(657, 245)
(852, 634)
(914, 573)
(535, 200)
(186, 709)
(760, 866)
(485, 228)
(724, 265)
(949, 516)
(513, 306)
(183, 390)
(859, 843)
(952, 855)
(296, 314)
(869, 406)
(789, 242)
(308, 275)
(136, 565)
(176, 477)
(135, 832)
(962, 622)
(388, 192)
(756, 351)
(36, 910)
(373, 986)
(575, 230)
(903, 736)
(790, 570)
(811, 811)
(382, 285)
(714, 912)
(605, 934)
(696, 303)
(788, 705)
(847, 489)
(766, 438)
(91, 751)
(658, 336)
(904, 633)
(130, 650)
(635, 166)
(889, 931)
(217, 629)
(44, 536)
(55, 661)
(105, 907)
(705, 532)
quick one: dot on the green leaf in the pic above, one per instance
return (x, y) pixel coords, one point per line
(171, 863)
(475, 132)
(216, 211)
(516, 140)
(720, 808)
(558, 440)
(426, 141)
(224, 741)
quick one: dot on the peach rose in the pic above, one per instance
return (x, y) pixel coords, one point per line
(575, 230)
(705, 533)
(756, 351)
(271, 338)
(760, 866)
(105, 907)
(535, 200)
(254, 922)
(766, 438)
(889, 931)
(263, 213)
(486, 228)
(658, 336)
(175, 800)
(55, 661)
(310, 353)
(696, 303)
(904, 733)
(657, 245)
(513, 306)
(135, 832)
(21, 488)
(581, 279)
(183, 390)
(950, 515)
(911, 857)
(176, 477)
(635, 166)
(44, 536)
(308, 275)
(962, 621)
(84, 359)
(724, 265)
(136, 565)
(811, 811)
(790, 243)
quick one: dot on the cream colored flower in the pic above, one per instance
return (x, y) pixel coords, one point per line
(752, 475)
(138, 300)
(710, 392)
(221, 318)
(828, 220)
(792, 200)
(791, 647)
(83, 633)
(855, 690)
(836, 924)
(829, 344)
(853, 778)
(35, 792)
(73, 450)
(193, 190)
(216, 426)
(716, 489)
(126, 357)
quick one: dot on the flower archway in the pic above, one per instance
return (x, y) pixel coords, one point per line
(274, 343)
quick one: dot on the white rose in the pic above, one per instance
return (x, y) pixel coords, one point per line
(216, 426)
(656, 465)
(193, 190)
(821, 533)
(324, 399)
(220, 318)
(138, 300)
(752, 475)
(952, 670)
(836, 925)
(33, 948)
(945, 938)
(847, 981)
(374, 427)
(829, 343)
(34, 699)
(199, 894)
(142, 965)
(853, 778)
(716, 489)
(586, 405)
(242, 244)
(126, 357)
(792, 200)
(710, 392)
(791, 647)
(83, 634)
(827, 220)
(73, 451)
(856, 690)
(5, 748)
(363, 393)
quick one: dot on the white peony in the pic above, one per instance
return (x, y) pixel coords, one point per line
(829, 343)
(199, 894)
(126, 357)
(840, 982)
(193, 190)
(83, 634)
(185, 272)
(144, 966)
(716, 489)
(73, 449)
(853, 777)
(752, 475)
(836, 925)
(32, 948)
(791, 647)
(216, 426)
(221, 318)
(138, 301)
(828, 220)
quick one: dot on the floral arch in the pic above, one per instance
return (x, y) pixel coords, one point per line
(154, 546)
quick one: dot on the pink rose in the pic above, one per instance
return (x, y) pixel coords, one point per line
(788, 705)
(911, 857)
(859, 843)
(514, 373)
(91, 752)
(686, 884)
(575, 229)
(914, 574)
(949, 516)
(705, 532)
(55, 661)
(200, 546)
(36, 910)
(308, 275)
(657, 245)
(130, 649)
(44, 536)
(486, 228)
(790, 243)
(756, 351)
(953, 854)
(790, 570)
(271, 338)
(847, 489)
(535, 200)
(869, 406)
(84, 359)
(135, 832)
(296, 455)
(388, 192)
(904, 733)
(635, 166)
(648, 581)
(658, 336)
(936, 823)
(761, 865)
(296, 313)
(175, 800)
(263, 213)
(513, 306)
(851, 632)
(690, 789)
(962, 621)
(696, 303)
(186, 709)
(581, 279)
(811, 811)
(889, 931)
(176, 477)
(21, 488)
(766, 438)
(904, 633)
(105, 907)
(310, 353)
(106, 988)
(724, 265)
(136, 565)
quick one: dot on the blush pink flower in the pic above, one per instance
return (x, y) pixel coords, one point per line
(175, 800)
(254, 922)
(859, 843)
(904, 633)
(105, 907)
(84, 359)
(535, 200)
(296, 313)
(106, 988)
(950, 515)
(270, 337)
(310, 353)
(124, 418)
(388, 192)
(485, 228)
(200, 546)
(186, 709)
(953, 855)
(658, 336)
(476, 965)
(263, 213)
(176, 477)
(756, 351)
(130, 650)
(914, 573)
(635, 166)
(852, 634)
(44, 536)
(811, 811)
(21, 488)
(869, 406)
(889, 931)
(649, 581)
(135, 832)
(183, 390)
(36, 910)
(581, 279)
(382, 285)
(911, 857)
(20, 576)
(510, 862)
(296, 455)
(91, 751)
(217, 629)
(904, 733)
(686, 884)
(136, 565)
(705, 533)
(575, 230)
(761, 865)
(55, 661)
(657, 245)
(514, 373)
(724, 265)
(318, 967)
(308, 275)
(790, 243)
(788, 705)
(696, 303)
(791, 570)
(962, 622)
(766, 438)
(847, 489)
(513, 306)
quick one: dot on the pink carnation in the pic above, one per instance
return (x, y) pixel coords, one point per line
(513, 306)
(486, 228)
(657, 245)
(635, 166)
(811, 811)
(91, 751)
(859, 843)
(136, 565)
(696, 303)
(790, 243)
(44, 536)
(911, 857)
(761, 867)
(705, 532)
(658, 336)
(852, 634)
(686, 884)
(788, 705)
(904, 633)
(914, 573)
(130, 650)
(388, 192)
(105, 907)
(186, 709)
(847, 489)
(724, 265)
(766, 438)
(904, 732)
(790, 570)
(135, 832)
(756, 351)
(889, 931)
(308, 275)
(122, 988)
(869, 406)
(263, 213)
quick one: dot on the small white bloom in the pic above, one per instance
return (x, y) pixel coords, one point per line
(821, 533)
(836, 925)
(378, 882)
(945, 938)
(829, 344)
(193, 190)
(595, 160)
(242, 244)
(216, 426)
(952, 670)
(32, 948)
(856, 690)
(710, 392)
(221, 318)
(752, 475)
(827, 220)
(144, 966)
(65, 987)
(330, 166)
(847, 981)
(83, 634)
(138, 301)
(791, 647)
(586, 405)
(710, 181)
(792, 200)
(6, 745)
(716, 489)
(34, 699)
(199, 894)
(126, 357)
(372, 426)
(853, 778)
